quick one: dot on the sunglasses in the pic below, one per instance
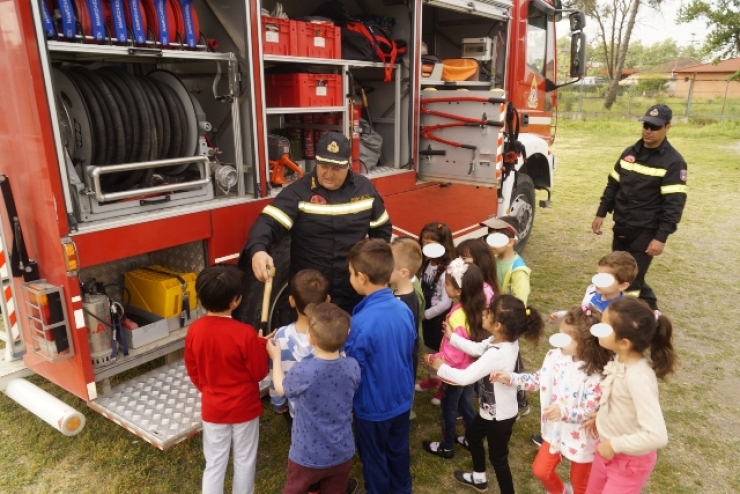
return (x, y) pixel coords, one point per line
(650, 126)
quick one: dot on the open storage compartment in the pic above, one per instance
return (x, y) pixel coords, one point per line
(153, 117)
(374, 123)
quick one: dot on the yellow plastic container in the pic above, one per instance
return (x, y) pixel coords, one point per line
(459, 69)
(159, 293)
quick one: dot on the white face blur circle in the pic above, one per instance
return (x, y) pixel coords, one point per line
(601, 330)
(497, 240)
(560, 340)
(603, 280)
(433, 251)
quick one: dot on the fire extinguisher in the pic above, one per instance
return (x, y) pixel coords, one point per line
(308, 147)
(355, 108)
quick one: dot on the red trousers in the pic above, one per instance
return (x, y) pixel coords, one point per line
(544, 467)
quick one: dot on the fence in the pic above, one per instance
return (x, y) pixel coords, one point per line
(706, 100)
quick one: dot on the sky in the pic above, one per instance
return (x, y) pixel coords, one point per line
(653, 26)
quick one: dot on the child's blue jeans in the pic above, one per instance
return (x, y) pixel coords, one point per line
(456, 400)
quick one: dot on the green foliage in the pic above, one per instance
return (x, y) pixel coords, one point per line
(723, 18)
(651, 85)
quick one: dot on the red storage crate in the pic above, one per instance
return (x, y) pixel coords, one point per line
(303, 90)
(278, 36)
(318, 40)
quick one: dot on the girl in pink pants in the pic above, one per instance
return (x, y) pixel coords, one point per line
(630, 422)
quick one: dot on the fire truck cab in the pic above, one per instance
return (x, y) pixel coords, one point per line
(138, 146)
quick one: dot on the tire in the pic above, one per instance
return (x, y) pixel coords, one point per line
(522, 208)
(249, 311)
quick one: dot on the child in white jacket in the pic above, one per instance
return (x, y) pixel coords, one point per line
(569, 385)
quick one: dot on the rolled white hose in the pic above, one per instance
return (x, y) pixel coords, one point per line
(51, 410)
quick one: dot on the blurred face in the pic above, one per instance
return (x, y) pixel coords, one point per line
(331, 177)
(612, 290)
(652, 135)
(570, 331)
(497, 251)
(610, 341)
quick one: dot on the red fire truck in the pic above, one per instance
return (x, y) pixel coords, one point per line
(134, 151)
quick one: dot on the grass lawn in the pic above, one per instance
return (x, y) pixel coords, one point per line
(696, 280)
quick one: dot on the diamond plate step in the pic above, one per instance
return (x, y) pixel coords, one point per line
(161, 406)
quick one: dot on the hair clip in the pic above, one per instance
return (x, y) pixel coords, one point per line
(586, 310)
(457, 269)
(528, 312)
(657, 315)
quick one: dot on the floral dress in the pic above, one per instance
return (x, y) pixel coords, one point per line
(562, 382)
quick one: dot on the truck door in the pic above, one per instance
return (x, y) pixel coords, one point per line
(529, 94)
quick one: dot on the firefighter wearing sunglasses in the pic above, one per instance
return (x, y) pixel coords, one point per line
(646, 192)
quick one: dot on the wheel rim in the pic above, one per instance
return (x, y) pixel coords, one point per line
(522, 210)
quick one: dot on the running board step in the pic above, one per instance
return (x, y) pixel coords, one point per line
(162, 406)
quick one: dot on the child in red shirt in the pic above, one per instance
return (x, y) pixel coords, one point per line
(226, 360)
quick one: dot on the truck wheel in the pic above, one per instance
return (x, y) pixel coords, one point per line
(250, 309)
(522, 208)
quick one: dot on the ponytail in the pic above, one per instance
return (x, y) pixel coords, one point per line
(517, 319)
(534, 325)
(661, 348)
(633, 320)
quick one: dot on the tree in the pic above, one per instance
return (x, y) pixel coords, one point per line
(724, 18)
(615, 20)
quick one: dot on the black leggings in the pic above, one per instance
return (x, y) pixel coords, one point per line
(498, 433)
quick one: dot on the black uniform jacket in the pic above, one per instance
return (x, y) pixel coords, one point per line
(647, 189)
(323, 226)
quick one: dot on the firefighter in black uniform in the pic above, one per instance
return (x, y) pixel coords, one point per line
(646, 191)
(326, 212)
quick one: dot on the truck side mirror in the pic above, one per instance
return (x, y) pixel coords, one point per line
(578, 54)
(543, 6)
(577, 21)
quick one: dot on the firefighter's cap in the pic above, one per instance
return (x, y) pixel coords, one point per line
(508, 223)
(657, 115)
(333, 149)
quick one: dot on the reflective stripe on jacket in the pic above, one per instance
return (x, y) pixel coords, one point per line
(647, 189)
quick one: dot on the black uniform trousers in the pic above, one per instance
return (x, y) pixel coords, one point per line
(636, 241)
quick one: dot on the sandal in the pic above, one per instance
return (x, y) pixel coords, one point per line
(462, 442)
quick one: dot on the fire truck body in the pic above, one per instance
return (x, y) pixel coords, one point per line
(94, 202)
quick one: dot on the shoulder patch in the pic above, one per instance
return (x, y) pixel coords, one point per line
(683, 175)
(629, 158)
